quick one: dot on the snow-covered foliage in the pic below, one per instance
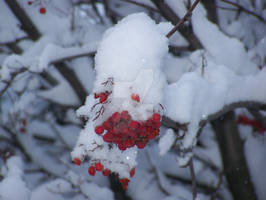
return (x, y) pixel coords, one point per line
(98, 84)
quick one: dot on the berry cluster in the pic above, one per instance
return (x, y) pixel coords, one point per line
(98, 166)
(244, 120)
(122, 130)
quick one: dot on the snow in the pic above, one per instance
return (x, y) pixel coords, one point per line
(9, 25)
(13, 180)
(194, 97)
(166, 141)
(225, 50)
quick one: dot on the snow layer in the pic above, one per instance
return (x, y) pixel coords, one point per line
(226, 51)
(9, 25)
(195, 96)
(13, 180)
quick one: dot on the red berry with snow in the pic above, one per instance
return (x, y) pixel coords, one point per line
(29, 3)
(135, 97)
(92, 170)
(77, 161)
(156, 117)
(99, 130)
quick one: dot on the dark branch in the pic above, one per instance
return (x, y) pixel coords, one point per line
(242, 8)
(186, 31)
(26, 23)
(184, 19)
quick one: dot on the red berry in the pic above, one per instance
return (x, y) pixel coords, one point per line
(99, 130)
(77, 161)
(141, 144)
(92, 170)
(29, 3)
(124, 182)
(156, 117)
(133, 124)
(99, 166)
(125, 116)
(22, 130)
(135, 97)
(96, 96)
(132, 172)
(107, 125)
(42, 10)
(106, 172)
(122, 146)
(116, 117)
(108, 137)
(103, 97)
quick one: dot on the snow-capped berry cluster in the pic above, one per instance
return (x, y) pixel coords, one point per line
(122, 130)
(124, 109)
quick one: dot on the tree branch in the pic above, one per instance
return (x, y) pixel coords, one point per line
(184, 19)
(26, 23)
(186, 31)
(242, 8)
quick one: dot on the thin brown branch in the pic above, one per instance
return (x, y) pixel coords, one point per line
(185, 31)
(193, 179)
(242, 8)
(184, 19)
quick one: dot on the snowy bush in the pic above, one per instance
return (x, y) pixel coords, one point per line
(122, 99)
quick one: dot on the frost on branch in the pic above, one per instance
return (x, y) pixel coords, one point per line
(124, 111)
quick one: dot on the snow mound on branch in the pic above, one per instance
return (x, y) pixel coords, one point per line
(128, 60)
(195, 96)
(13, 180)
(225, 50)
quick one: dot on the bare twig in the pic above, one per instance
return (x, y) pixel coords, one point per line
(242, 8)
(184, 19)
(193, 178)
(185, 31)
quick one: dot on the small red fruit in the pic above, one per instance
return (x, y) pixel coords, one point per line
(156, 117)
(22, 130)
(42, 10)
(99, 130)
(103, 97)
(108, 137)
(77, 161)
(132, 172)
(99, 166)
(125, 116)
(133, 124)
(124, 182)
(96, 96)
(116, 117)
(106, 172)
(135, 97)
(29, 3)
(92, 170)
